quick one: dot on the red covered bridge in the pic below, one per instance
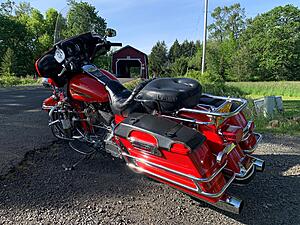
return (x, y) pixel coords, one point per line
(129, 62)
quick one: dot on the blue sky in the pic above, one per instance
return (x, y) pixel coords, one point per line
(142, 23)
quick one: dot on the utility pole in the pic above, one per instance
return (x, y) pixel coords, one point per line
(204, 35)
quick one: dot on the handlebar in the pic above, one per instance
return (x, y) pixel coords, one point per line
(116, 44)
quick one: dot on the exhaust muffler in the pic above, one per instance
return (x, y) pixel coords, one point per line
(230, 204)
(259, 164)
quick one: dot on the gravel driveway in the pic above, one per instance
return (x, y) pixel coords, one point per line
(104, 191)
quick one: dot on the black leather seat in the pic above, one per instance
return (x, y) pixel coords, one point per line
(169, 94)
(121, 99)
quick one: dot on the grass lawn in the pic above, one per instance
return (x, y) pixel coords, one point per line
(9, 81)
(289, 121)
(289, 90)
(286, 89)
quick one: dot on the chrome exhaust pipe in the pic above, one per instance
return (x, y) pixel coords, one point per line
(231, 204)
(259, 164)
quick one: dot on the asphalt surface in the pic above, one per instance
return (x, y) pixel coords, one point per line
(23, 125)
(104, 191)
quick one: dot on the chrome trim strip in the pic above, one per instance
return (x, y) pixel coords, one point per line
(188, 120)
(198, 179)
(197, 189)
(44, 107)
(218, 194)
(258, 139)
(141, 170)
(248, 173)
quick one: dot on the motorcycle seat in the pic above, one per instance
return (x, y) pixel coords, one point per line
(121, 99)
(166, 95)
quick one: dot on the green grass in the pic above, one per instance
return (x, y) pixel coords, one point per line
(9, 81)
(288, 121)
(286, 89)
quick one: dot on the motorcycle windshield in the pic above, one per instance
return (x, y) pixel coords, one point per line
(78, 18)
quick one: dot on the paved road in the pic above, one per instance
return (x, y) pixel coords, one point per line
(23, 126)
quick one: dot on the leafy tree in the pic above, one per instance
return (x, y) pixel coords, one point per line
(228, 22)
(83, 17)
(180, 66)
(23, 8)
(195, 62)
(7, 65)
(243, 66)
(14, 35)
(158, 59)
(274, 41)
(7, 7)
(50, 21)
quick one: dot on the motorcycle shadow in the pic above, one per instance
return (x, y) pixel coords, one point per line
(272, 197)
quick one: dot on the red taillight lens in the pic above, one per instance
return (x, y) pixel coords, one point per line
(233, 133)
(180, 149)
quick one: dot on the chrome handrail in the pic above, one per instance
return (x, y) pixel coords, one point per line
(243, 105)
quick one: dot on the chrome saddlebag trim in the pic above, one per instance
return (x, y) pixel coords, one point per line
(195, 180)
(258, 140)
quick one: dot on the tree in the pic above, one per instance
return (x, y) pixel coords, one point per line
(50, 21)
(158, 59)
(7, 66)
(14, 35)
(274, 41)
(188, 49)
(175, 51)
(23, 8)
(7, 8)
(228, 22)
(180, 66)
(83, 17)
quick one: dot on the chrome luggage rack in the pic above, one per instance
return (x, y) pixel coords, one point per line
(211, 111)
(215, 111)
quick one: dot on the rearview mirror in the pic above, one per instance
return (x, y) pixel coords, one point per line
(110, 32)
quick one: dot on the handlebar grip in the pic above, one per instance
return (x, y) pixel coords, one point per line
(116, 44)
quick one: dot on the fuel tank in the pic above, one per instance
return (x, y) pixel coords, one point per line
(83, 87)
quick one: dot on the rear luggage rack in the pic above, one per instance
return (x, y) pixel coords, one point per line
(215, 110)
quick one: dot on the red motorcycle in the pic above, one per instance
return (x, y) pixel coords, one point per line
(166, 128)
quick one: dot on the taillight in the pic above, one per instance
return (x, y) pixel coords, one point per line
(180, 149)
(233, 133)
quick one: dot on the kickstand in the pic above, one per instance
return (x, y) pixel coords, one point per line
(72, 167)
(85, 156)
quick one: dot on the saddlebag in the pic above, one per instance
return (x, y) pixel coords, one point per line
(164, 132)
